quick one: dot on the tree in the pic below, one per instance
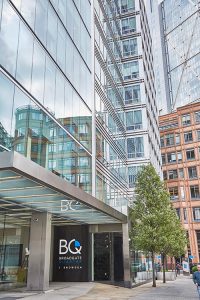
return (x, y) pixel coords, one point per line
(151, 215)
(173, 239)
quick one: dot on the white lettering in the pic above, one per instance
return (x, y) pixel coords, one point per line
(64, 247)
(63, 244)
(64, 205)
(67, 205)
(78, 251)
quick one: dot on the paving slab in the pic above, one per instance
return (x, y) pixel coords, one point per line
(183, 288)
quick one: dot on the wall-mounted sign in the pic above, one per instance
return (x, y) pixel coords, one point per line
(67, 205)
(70, 253)
(73, 247)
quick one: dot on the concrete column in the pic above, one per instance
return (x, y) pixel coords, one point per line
(40, 245)
(126, 256)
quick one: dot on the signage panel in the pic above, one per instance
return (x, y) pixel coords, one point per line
(186, 267)
(70, 259)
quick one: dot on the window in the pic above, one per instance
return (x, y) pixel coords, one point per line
(52, 148)
(179, 156)
(171, 157)
(84, 178)
(173, 193)
(134, 120)
(22, 116)
(68, 146)
(181, 173)
(192, 172)
(83, 129)
(61, 132)
(168, 126)
(84, 161)
(178, 213)
(52, 132)
(128, 25)
(132, 175)
(127, 5)
(182, 192)
(162, 143)
(196, 213)
(52, 164)
(20, 147)
(131, 70)
(35, 131)
(135, 147)
(163, 159)
(69, 162)
(186, 120)
(169, 139)
(190, 154)
(51, 31)
(34, 148)
(21, 132)
(177, 139)
(165, 175)
(113, 154)
(197, 116)
(185, 214)
(132, 94)
(198, 135)
(194, 192)
(129, 47)
(36, 116)
(188, 137)
(173, 174)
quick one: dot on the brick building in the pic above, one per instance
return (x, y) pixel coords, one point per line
(180, 147)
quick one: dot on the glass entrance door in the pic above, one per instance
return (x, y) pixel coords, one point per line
(14, 241)
(102, 256)
(108, 257)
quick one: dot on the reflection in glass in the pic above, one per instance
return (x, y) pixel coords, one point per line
(26, 128)
(14, 239)
(38, 71)
(9, 38)
(24, 57)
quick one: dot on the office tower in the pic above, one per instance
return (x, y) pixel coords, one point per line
(138, 88)
(77, 104)
(180, 27)
(180, 146)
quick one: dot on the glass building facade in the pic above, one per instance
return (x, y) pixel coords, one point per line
(132, 111)
(45, 105)
(77, 98)
(135, 81)
(180, 22)
(46, 102)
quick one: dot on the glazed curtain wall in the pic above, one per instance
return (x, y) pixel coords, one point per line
(45, 55)
(26, 128)
(46, 61)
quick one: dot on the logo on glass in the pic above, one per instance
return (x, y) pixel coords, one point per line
(73, 246)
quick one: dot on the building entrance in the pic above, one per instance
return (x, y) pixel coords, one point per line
(108, 257)
(14, 243)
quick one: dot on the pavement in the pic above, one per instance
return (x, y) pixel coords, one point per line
(183, 288)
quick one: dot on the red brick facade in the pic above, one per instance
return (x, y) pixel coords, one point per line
(180, 147)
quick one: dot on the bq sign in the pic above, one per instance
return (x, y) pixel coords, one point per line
(70, 253)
